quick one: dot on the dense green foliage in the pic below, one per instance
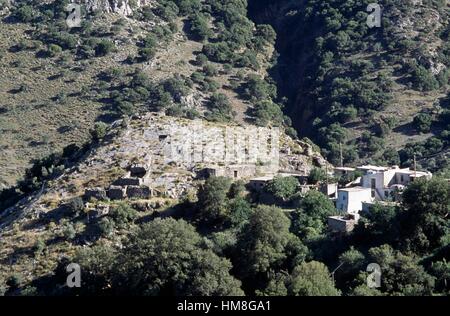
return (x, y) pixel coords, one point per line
(339, 74)
(227, 242)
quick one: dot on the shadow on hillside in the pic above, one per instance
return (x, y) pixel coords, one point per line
(406, 129)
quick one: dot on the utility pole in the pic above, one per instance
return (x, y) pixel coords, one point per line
(341, 155)
(334, 271)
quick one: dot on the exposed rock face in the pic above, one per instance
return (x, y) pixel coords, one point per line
(123, 7)
(421, 22)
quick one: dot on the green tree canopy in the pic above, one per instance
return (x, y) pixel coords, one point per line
(312, 279)
(168, 257)
(212, 200)
(263, 240)
(424, 220)
(283, 187)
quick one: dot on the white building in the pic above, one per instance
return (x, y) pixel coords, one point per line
(386, 182)
(350, 200)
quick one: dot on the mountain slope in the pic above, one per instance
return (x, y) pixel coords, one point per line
(56, 82)
(360, 86)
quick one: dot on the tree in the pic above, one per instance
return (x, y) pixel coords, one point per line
(267, 112)
(237, 189)
(220, 108)
(240, 211)
(422, 122)
(275, 287)
(364, 290)
(258, 88)
(423, 79)
(24, 13)
(441, 270)
(199, 26)
(263, 241)
(99, 263)
(212, 200)
(316, 204)
(312, 279)
(167, 257)
(283, 188)
(266, 32)
(424, 220)
(309, 219)
(402, 275)
(210, 277)
(383, 223)
(352, 263)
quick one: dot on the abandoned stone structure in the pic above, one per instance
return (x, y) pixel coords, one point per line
(164, 157)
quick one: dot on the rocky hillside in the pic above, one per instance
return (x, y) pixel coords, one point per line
(154, 146)
(127, 57)
(381, 92)
(152, 163)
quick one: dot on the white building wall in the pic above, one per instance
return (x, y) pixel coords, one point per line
(352, 201)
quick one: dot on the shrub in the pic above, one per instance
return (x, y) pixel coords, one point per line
(68, 231)
(99, 131)
(53, 50)
(123, 214)
(317, 175)
(201, 59)
(423, 79)
(146, 53)
(199, 27)
(104, 47)
(39, 247)
(422, 122)
(76, 205)
(210, 70)
(24, 13)
(220, 108)
(105, 227)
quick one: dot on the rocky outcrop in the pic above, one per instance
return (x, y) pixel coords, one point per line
(123, 7)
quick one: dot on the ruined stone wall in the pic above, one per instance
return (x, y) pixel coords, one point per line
(197, 143)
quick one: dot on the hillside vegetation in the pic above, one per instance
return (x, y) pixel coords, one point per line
(71, 98)
(57, 81)
(380, 92)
